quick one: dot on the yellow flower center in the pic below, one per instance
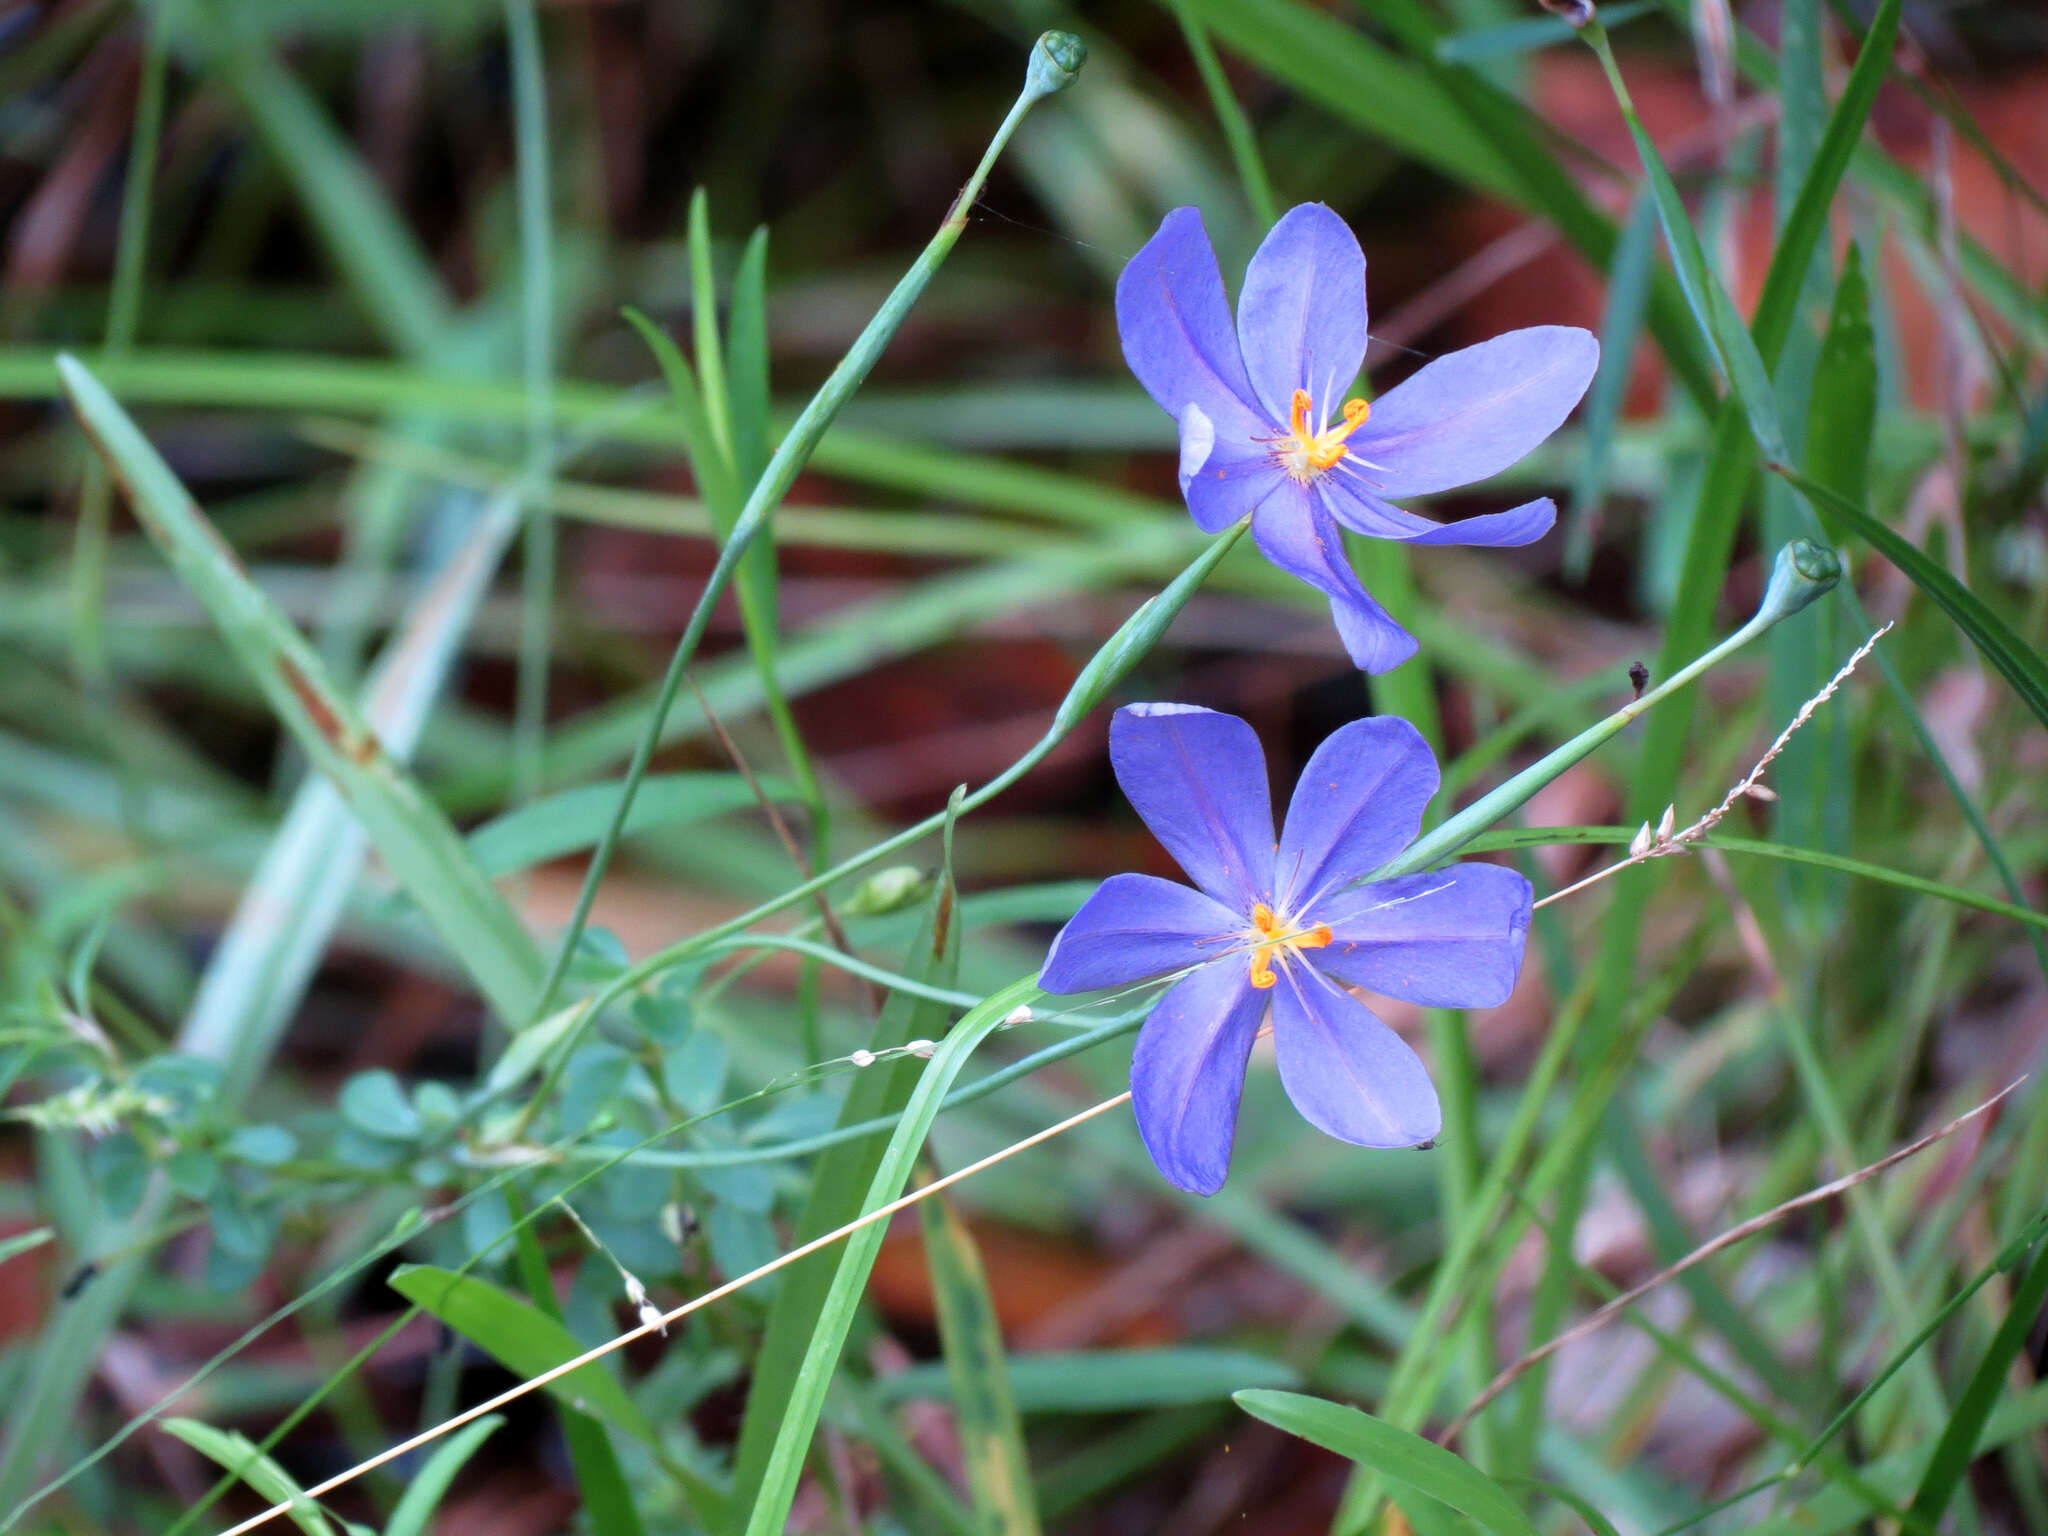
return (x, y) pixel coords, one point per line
(1274, 936)
(1305, 453)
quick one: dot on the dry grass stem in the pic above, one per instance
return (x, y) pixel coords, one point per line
(1663, 840)
(1735, 1234)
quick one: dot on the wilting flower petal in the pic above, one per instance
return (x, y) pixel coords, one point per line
(1187, 1074)
(1301, 316)
(1450, 938)
(1473, 413)
(1135, 927)
(1348, 1074)
(1198, 779)
(1358, 803)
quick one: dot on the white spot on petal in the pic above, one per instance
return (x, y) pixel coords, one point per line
(1197, 441)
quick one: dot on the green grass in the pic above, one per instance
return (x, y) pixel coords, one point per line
(388, 932)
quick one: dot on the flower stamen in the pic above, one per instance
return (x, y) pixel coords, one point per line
(1273, 936)
(1305, 452)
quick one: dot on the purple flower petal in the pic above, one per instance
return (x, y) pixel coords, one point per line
(1296, 534)
(1301, 315)
(1222, 481)
(1367, 514)
(1177, 335)
(1346, 1071)
(1198, 778)
(1188, 1073)
(1450, 938)
(1136, 926)
(1358, 803)
(1475, 412)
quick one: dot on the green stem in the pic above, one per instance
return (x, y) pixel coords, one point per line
(1055, 59)
(1804, 572)
(537, 579)
(1237, 128)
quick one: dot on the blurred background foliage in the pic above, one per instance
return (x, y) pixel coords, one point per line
(243, 1071)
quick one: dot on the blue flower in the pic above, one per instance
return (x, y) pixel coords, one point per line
(1260, 427)
(1283, 926)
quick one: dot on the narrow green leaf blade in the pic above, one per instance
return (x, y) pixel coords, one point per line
(2019, 663)
(800, 1409)
(838, 1185)
(1957, 1447)
(522, 1338)
(429, 1485)
(416, 840)
(1395, 1454)
(241, 1456)
(991, 1431)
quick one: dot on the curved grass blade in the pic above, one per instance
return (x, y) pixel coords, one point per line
(799, 1410)
(429, 1485)
(523, 1339)
(1395, 1454)
(240, 1455)
(416, 841)
(2019, 663)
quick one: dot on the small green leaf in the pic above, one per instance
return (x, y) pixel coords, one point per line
(1395, 1454)
(193, 1172)
(375, 1104)
(120, 1172)
(238, 1230)
(263, 1146)
(523, 1339)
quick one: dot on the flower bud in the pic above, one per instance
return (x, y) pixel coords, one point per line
(1056, 60)
(887, 890)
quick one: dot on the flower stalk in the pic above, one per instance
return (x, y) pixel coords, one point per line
(1056, 59)
(1804, 571)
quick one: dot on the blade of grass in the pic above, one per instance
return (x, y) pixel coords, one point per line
(991, 1432)
(124, 311)
(876, 1099)
(415, 839)
(2019, 663)
(797, 1412)
(537, 302)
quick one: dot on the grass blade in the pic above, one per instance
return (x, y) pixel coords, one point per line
(1395, 1454)
(2019, 663)
(991, 1432)
(415, 839)
(798, 1412)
